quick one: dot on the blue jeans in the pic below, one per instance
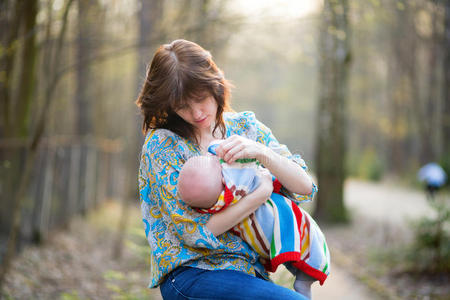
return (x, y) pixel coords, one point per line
(193, 283)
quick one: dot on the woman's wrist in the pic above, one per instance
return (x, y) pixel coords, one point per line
(289, 173)
(265, 155)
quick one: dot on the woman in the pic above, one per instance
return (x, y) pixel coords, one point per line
(185, 106)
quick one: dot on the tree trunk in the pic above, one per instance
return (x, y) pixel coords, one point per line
(84, 94)
(334, 66)
(401, 80)
(430, 151)
(8, 156)
(27, 73)
(20, 126)
(31, 151)
(445, 160)
(149, 16)
(8, 39)
(16, 123)
(17, 116)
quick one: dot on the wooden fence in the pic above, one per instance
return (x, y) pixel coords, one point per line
(70, 176)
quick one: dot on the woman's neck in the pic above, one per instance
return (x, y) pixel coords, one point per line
(204, 141)
(204, 138)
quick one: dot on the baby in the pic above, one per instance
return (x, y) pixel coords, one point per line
(210, 185)
(200, 182)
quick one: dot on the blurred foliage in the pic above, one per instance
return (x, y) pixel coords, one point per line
(445, 164)
(396, 83)
(70, 296)
(427, 253)
(272, 59)
(123, 283)
(430, 251)
(137, 242)
(367, 165)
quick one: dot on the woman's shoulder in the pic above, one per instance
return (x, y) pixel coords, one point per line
(246, 124)
(159, 139)
(243, 115)
(159, 133)
(240, 120)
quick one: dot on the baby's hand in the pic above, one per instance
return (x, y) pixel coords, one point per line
(266, 181)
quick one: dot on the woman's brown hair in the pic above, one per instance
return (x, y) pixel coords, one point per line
(180, 72)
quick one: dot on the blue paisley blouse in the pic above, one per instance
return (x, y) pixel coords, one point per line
(177, 234)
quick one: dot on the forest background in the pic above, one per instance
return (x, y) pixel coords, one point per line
(70, 71)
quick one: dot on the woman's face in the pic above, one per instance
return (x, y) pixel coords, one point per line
(199, 113)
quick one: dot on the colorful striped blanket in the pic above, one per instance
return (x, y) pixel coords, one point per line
(279, 230)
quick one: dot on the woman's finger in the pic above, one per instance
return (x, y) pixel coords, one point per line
(232, 152)
(226, 146)
(236, 147)
(229, 139)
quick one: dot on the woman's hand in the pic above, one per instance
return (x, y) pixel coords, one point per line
(237, 147)
(290, 174)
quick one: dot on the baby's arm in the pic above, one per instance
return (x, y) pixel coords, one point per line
(234, 214)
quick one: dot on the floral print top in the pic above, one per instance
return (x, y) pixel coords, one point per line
(177, 234)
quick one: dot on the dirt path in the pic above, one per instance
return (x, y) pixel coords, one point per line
(372, 247)
(381, 215)
(385, 202)
(77, 264)
(340, 285)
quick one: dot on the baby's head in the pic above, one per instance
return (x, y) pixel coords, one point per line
(200, 181)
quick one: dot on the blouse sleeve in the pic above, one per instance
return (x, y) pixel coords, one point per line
(265, 136)
(163, 162)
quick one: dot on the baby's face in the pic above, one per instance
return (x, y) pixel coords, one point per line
(200, 181)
